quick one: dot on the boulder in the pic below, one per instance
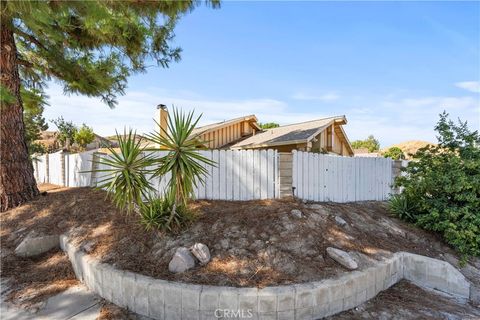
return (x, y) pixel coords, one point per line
(296, 213)
(201, 252)
(182, 261)
(342, 258)
(33, 245)
(339, 221)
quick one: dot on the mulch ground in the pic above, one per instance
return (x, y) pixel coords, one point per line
(407, 301)
(253, 243)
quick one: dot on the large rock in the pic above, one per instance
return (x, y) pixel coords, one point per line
(296, 213)
(34, 245)
(182, 261)
(201, 252)
(339, 221)
(342, 258)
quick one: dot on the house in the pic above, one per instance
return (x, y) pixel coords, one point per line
(321, 135)
(220, 135)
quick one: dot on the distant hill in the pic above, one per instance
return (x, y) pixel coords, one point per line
(409, 147)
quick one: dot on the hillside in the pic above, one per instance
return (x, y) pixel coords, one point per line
(409, 147)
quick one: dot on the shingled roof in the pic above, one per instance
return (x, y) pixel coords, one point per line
(289, 134)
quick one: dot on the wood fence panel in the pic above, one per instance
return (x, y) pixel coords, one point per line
(319, 177)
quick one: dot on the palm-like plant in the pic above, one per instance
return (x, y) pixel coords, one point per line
(125, 177)
(182, 160)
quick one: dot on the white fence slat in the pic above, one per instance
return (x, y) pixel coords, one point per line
(222, 175)
(236, 160)
(322, 177)
(270, 174)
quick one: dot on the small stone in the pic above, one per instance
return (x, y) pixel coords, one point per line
(201, 252)
(339, 221)
(257, 244)
(225, 244)
(89, 246)
(296, 213)
(342, 258)
(62, 224)
(182, 261)
(34, 245)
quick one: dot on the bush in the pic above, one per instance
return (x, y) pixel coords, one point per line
(84, 136)
(441, 188)
(394, 153)
(164, 215)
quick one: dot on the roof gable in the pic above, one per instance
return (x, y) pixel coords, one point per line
(214, 126)
(289, 134)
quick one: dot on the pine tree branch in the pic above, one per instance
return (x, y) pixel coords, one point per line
(29, 37)
(25, 63)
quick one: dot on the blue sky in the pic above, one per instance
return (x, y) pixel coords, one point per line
(389, 67)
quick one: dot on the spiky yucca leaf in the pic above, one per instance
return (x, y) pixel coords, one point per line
(182, 160)
(125, 172)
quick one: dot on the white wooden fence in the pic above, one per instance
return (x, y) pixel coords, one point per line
(319, 177)
(237, 175)
(249, 175)
(48, 169)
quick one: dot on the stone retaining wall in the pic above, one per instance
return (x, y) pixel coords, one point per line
(162, 299)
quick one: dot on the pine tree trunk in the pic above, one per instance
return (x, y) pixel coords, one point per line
(17, 182)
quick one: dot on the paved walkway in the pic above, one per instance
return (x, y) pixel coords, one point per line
(76, 303)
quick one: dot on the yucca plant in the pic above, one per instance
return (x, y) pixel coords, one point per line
(125, 172)
(164, 214)
(401, 206)
(182, 160)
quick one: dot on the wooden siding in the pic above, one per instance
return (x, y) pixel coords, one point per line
(217, 138)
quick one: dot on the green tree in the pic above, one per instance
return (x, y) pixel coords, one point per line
(66, 131)
(34, 104)
(441, 188)
(370, 143)
(268, 125)
(395, 153)
(84, 135)
(90, 47)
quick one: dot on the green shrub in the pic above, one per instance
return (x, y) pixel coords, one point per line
(442, 185)
(84, 136)
(394, 153)
(163, 214)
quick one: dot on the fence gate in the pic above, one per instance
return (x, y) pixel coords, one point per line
(319, 177)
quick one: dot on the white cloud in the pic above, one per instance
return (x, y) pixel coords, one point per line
(332, 96)
(473, 86)
(136, 110)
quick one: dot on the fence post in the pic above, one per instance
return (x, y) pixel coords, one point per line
(36, 170)
(285, 160)
(62, 165)
(47, 168)
(396, 172)
(95, 157)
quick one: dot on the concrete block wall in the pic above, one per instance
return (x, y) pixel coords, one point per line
(160, 299)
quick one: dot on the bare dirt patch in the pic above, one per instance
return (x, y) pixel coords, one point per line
(253, 243)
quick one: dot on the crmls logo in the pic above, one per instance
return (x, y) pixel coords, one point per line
(233, 314)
